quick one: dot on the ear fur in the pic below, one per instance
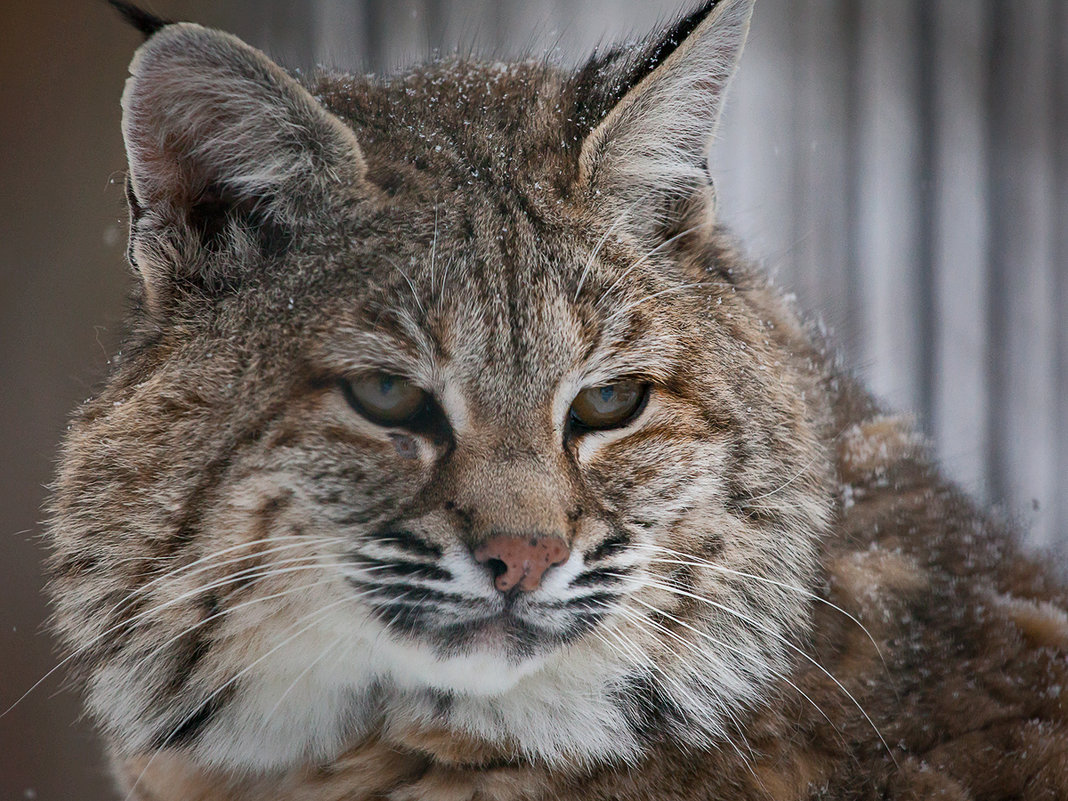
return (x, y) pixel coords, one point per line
(649, 148)
(221, 143)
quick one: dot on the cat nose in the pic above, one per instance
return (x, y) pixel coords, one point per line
(518, 561)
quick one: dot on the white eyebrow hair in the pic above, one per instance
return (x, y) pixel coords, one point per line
(651, 354)
(408, 351)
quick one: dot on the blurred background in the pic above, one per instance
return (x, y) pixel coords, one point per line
(900, 165)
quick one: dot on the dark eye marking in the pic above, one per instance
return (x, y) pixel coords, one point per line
(407, 541)
(610, 547)
(601, 576)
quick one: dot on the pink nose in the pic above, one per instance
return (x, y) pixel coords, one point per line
(520, 561)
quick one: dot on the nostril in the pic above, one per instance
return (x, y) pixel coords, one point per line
(497, 568)
(521, 562)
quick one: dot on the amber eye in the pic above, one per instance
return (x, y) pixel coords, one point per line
(609, 405)
(387, 400)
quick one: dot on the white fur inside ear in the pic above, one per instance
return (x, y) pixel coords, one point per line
(655, 140)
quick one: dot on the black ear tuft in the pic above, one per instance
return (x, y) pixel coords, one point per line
(604, 80)
(147, 23)
(647, 113)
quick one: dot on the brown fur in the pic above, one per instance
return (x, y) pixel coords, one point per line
(809, 611)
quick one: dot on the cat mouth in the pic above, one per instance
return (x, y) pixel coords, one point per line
(516, 628)
(424, 601)
(504, 631)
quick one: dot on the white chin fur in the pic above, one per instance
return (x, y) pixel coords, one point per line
(294, 707)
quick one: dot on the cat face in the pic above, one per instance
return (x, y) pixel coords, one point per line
(446, 405)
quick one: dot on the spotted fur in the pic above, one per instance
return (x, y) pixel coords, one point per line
(770, 594)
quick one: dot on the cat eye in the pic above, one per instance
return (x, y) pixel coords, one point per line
(385, 399)
(609, 405)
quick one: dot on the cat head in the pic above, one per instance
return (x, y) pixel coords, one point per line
(447, 405)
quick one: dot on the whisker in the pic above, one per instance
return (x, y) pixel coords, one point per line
(638, 620)
(788, 482)
(596, 251)
(679, 591)
(434, 251)
(209, 562)
(411, 286)
(251, 575)
(301, 675)
(134, 620)
(681, 288)
(719, 643)
(696, 561)
(444, 278)
(228, 611)
(680, 689)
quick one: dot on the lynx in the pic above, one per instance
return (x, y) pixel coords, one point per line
(455, 452)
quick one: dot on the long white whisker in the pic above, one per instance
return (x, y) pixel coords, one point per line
(130, 622)
(669, 680)
(209, 561)
(228, 611)
(411, 286)
(434, 251)
(681, 288)
(596, 251)
(788, 482)
(695, 561)
(249, 574)
(679, 591)
(719, 643)
(444, 279)
(301, 675)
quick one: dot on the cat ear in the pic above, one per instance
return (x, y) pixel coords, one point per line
(226, 152)
(654, 107)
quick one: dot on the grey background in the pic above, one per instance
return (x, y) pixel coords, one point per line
(901, 165)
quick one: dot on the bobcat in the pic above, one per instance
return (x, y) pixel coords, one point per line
(455, 452)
